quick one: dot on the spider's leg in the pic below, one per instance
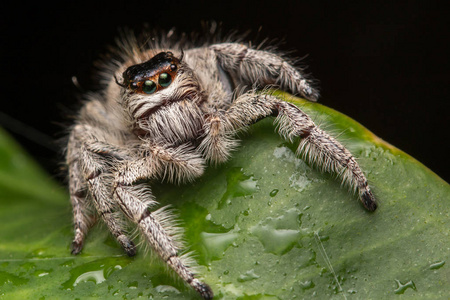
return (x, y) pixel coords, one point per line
(83, 218)
(218, 138)
(101, 194)
(263, 68)
(316, 146)
(135, 200)
(97, 177)
(221, 126)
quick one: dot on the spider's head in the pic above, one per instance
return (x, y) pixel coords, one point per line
(151, 76)
(157, 82)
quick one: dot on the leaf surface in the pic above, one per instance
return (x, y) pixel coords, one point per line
(265, 225)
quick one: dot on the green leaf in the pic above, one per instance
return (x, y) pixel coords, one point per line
(264, 226)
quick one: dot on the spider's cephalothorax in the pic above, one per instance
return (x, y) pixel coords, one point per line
(164, 115)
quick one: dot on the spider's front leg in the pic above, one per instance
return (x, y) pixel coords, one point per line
(135, 200)
(263, 68)
(316, 146)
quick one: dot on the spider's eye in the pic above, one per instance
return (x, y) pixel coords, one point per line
(173, 67)
(149, 87)
(133, 85)
(164, 79)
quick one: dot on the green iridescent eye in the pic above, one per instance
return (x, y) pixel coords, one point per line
(164, 79)
(149, 87)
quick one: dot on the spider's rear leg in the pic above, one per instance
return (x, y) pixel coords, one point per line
(316, 146)
(264, 68)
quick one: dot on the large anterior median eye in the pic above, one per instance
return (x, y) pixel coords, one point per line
(149, 87)
(164, 80)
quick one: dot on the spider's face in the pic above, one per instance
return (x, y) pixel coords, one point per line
(157, 83)
(153, 75)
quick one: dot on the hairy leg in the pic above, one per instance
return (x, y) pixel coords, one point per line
(100, 180)
(264, 68)
(316, 146)
(90, 179)
(83, 215)
(83, 218)
(114, 176)
(135, 200)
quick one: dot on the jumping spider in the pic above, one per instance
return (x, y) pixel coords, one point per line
(164, 114)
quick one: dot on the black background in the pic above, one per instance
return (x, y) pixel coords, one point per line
(384, 64)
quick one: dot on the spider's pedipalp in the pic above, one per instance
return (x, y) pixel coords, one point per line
(173, 164)
(218, 139)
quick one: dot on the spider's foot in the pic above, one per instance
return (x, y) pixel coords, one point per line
(204, 290)
(130, 249)
(76, 247)
(127, 245)
(368, 200)
(308, 91)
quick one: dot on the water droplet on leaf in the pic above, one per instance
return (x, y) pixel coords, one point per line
(238, 185)
(437, 265)
(401, 288)
(273, 193)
